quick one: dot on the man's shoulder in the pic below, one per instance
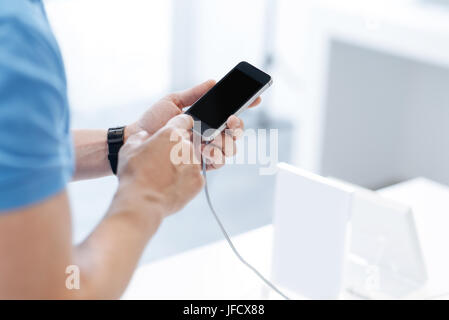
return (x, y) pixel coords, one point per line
(36, 159)
(24, 24)
(21, 12)
(28, 45)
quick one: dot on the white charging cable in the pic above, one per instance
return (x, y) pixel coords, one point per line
(228, 239)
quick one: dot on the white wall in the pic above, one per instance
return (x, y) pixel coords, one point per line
(117, 52)
(425, 140)
(386, 118)
(216, 36)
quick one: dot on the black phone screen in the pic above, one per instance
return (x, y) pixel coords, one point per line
(225, 98)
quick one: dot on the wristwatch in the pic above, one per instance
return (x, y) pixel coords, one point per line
(116, 138)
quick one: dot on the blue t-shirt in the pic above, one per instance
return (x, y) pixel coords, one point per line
(36, 157)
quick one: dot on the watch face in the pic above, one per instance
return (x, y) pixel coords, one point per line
(116, 135)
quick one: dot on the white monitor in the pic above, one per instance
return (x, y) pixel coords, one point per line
(332, 238)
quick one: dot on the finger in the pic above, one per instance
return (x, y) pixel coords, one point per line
(194, 158)
(182, 121)
(256, 102)
(210, 167)
(213, 156)
(235, 127)
(213, 166)
(235, 123)
(226, 144)
(188, 97)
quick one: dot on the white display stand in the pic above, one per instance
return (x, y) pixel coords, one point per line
(213, 272)
(331, 237)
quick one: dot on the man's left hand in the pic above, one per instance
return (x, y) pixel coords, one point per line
(162, 111)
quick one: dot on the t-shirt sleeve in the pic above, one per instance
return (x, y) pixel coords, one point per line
(35, 142)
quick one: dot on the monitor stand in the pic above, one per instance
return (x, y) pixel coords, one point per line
(385, 259)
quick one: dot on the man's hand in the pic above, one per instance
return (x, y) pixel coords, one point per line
(92, 150)
(172, 105)
(150, 179)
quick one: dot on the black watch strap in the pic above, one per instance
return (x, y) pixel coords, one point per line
(116, 138)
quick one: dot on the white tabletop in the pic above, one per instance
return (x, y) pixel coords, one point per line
(213, 272)
(208, 272)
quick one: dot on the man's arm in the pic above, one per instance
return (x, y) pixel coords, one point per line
(35, 242)
(35, 249)
(34, 264)
(91, 152)
(91, 146)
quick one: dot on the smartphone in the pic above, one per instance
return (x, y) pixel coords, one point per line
(230, 96)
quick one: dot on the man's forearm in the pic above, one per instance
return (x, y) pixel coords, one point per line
(109, 256)
(91, 151)
(34, 265)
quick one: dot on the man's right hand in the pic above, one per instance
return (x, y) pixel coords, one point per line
(149, 179)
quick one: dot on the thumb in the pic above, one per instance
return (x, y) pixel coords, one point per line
(188, 97)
